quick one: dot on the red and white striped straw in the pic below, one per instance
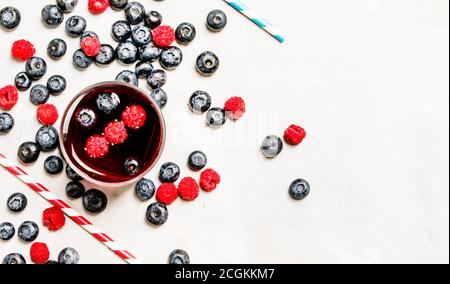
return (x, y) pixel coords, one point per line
(69, 211)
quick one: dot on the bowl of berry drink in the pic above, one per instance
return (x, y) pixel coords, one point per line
(112, 134)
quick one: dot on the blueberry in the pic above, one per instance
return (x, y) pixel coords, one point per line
(6, 123)
(68, 256)
(56, 84)
(144, 69)
(179, 257)
(299, 189)
(75, 26)
(141, 35)
(152, 19)
(47, 138)
(200, 102)
(207, 63)
(14, 258)
(171, 58)
(145, 189)
(129, 77)
(54, 165)
(36, 68)
(72, 175)
(197, 161)
(52, 16)
(9, 18)
(57, 48)
(75, 189)
(216, 20)
(22, 81)
(121, 31)
(149, 53)
(272, 146)
(157, 214)
(86, 117)
(160, 97)
(108, 102)
(87, 34)
(106, 56)
(169, 173)
(67, 6)
(17, 202)
(7, 231)
(94, 201)
(127, 52)
(28, 152)
(131, 167)
(216, 117)
(39, 94)
(135, 13)
(118, 4)
(80, 60)
(185, 33)
(28, 231)
(157, 79)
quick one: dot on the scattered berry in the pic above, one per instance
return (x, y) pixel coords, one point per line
(8, 97)
(68, 256)
(207, 63)
(197, 161)
(235, 108)
(167, 193)
(106, 55)
(294, 135)
(171, 58)
(56, 48)
(87, 34)
(149, 53)
(75, 26)
(131, 167)
(6, 123)
(200, 102)
(39, 94)
(28, 152)
(53, 218)
(91, 46)
(52, 16)
(39, 253)
(157, 79)
(141, 35)
(75, 189)
(47, 138)
(299, 189)
(118, 4)
(97, 146)
(116, 133)
(9, 18)
(108, 102)
(98, 6)
(272, 146)
(209, 179)
(188, 189)
(179, 257)
(36, 68)
(28, 231)
(95, 201)
(47, 114)
(54, 165)
(134, 117)
(56, 85)
(145, 189)
(86, 117)
(80, 60)
(72, 175)
(160, 97)
(14, 258)
(128, 77)
(152, 19)
(216, 20)
(7, 231)
(121, 31)
(127, 52)
(17, 202)
(135, 13)
(216, 117)
(144, 69)
(169, 173)
(67, 6)
(185, 33)
(157, 214)
(22, 81)
(22, 50)
(163, 36)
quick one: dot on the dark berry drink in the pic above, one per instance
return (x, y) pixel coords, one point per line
(124, 157)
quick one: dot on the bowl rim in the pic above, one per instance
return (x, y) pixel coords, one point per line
(85, 176)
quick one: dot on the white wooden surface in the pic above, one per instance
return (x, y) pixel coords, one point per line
(368, 79)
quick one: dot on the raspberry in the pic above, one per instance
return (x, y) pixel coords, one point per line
(235, 108)
(188, 189)
(97, 146)
(167, 193)
(98, 6)
(8, 97)
(209, 179)
(53, 218)
(39, 253)
(90, 46)
(116, 133)
(47, 114)
(22, 50)
(163, 36)
(134, 117)
(294, 134)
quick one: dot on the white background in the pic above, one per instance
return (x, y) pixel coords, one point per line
(368, 79)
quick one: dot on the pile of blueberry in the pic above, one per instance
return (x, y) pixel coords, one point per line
(28, 232)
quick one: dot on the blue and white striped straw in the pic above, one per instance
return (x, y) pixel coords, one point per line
(257, 19)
